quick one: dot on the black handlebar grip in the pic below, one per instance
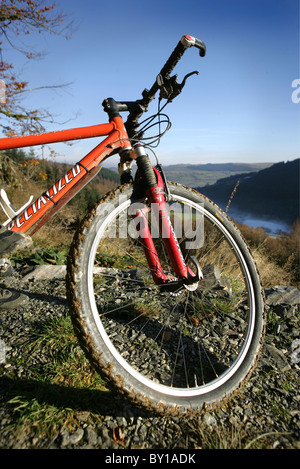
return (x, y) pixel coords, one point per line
(185, 42)
(190, 41)
(173, 59)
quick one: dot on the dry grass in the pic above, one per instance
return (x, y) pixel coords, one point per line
(277, 258)
(270, 273)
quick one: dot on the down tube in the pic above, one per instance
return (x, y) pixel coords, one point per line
(48, 199)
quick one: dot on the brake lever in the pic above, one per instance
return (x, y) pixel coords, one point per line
(169, 86)
(187, 76)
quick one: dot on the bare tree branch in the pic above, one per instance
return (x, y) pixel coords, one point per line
(18, 19)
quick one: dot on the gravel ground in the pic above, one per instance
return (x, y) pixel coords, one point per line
(265, 414)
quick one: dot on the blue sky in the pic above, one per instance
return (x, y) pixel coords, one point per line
(238, 109)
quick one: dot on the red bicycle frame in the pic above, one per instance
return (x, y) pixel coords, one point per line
(78, 176)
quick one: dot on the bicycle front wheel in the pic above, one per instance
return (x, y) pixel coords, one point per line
(179, 348)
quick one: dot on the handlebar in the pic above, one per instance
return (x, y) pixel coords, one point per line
(185, 43)
(137, 108)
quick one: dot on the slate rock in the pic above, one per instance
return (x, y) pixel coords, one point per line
(282, 295)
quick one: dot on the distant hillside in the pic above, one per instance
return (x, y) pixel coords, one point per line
(271, 192)
(194, 175)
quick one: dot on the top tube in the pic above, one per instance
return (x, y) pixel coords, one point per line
(78, 133)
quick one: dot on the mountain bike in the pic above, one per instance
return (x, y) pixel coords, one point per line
(163, 292)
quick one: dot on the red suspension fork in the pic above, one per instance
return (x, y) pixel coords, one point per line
(156, 196)
(149, 249)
